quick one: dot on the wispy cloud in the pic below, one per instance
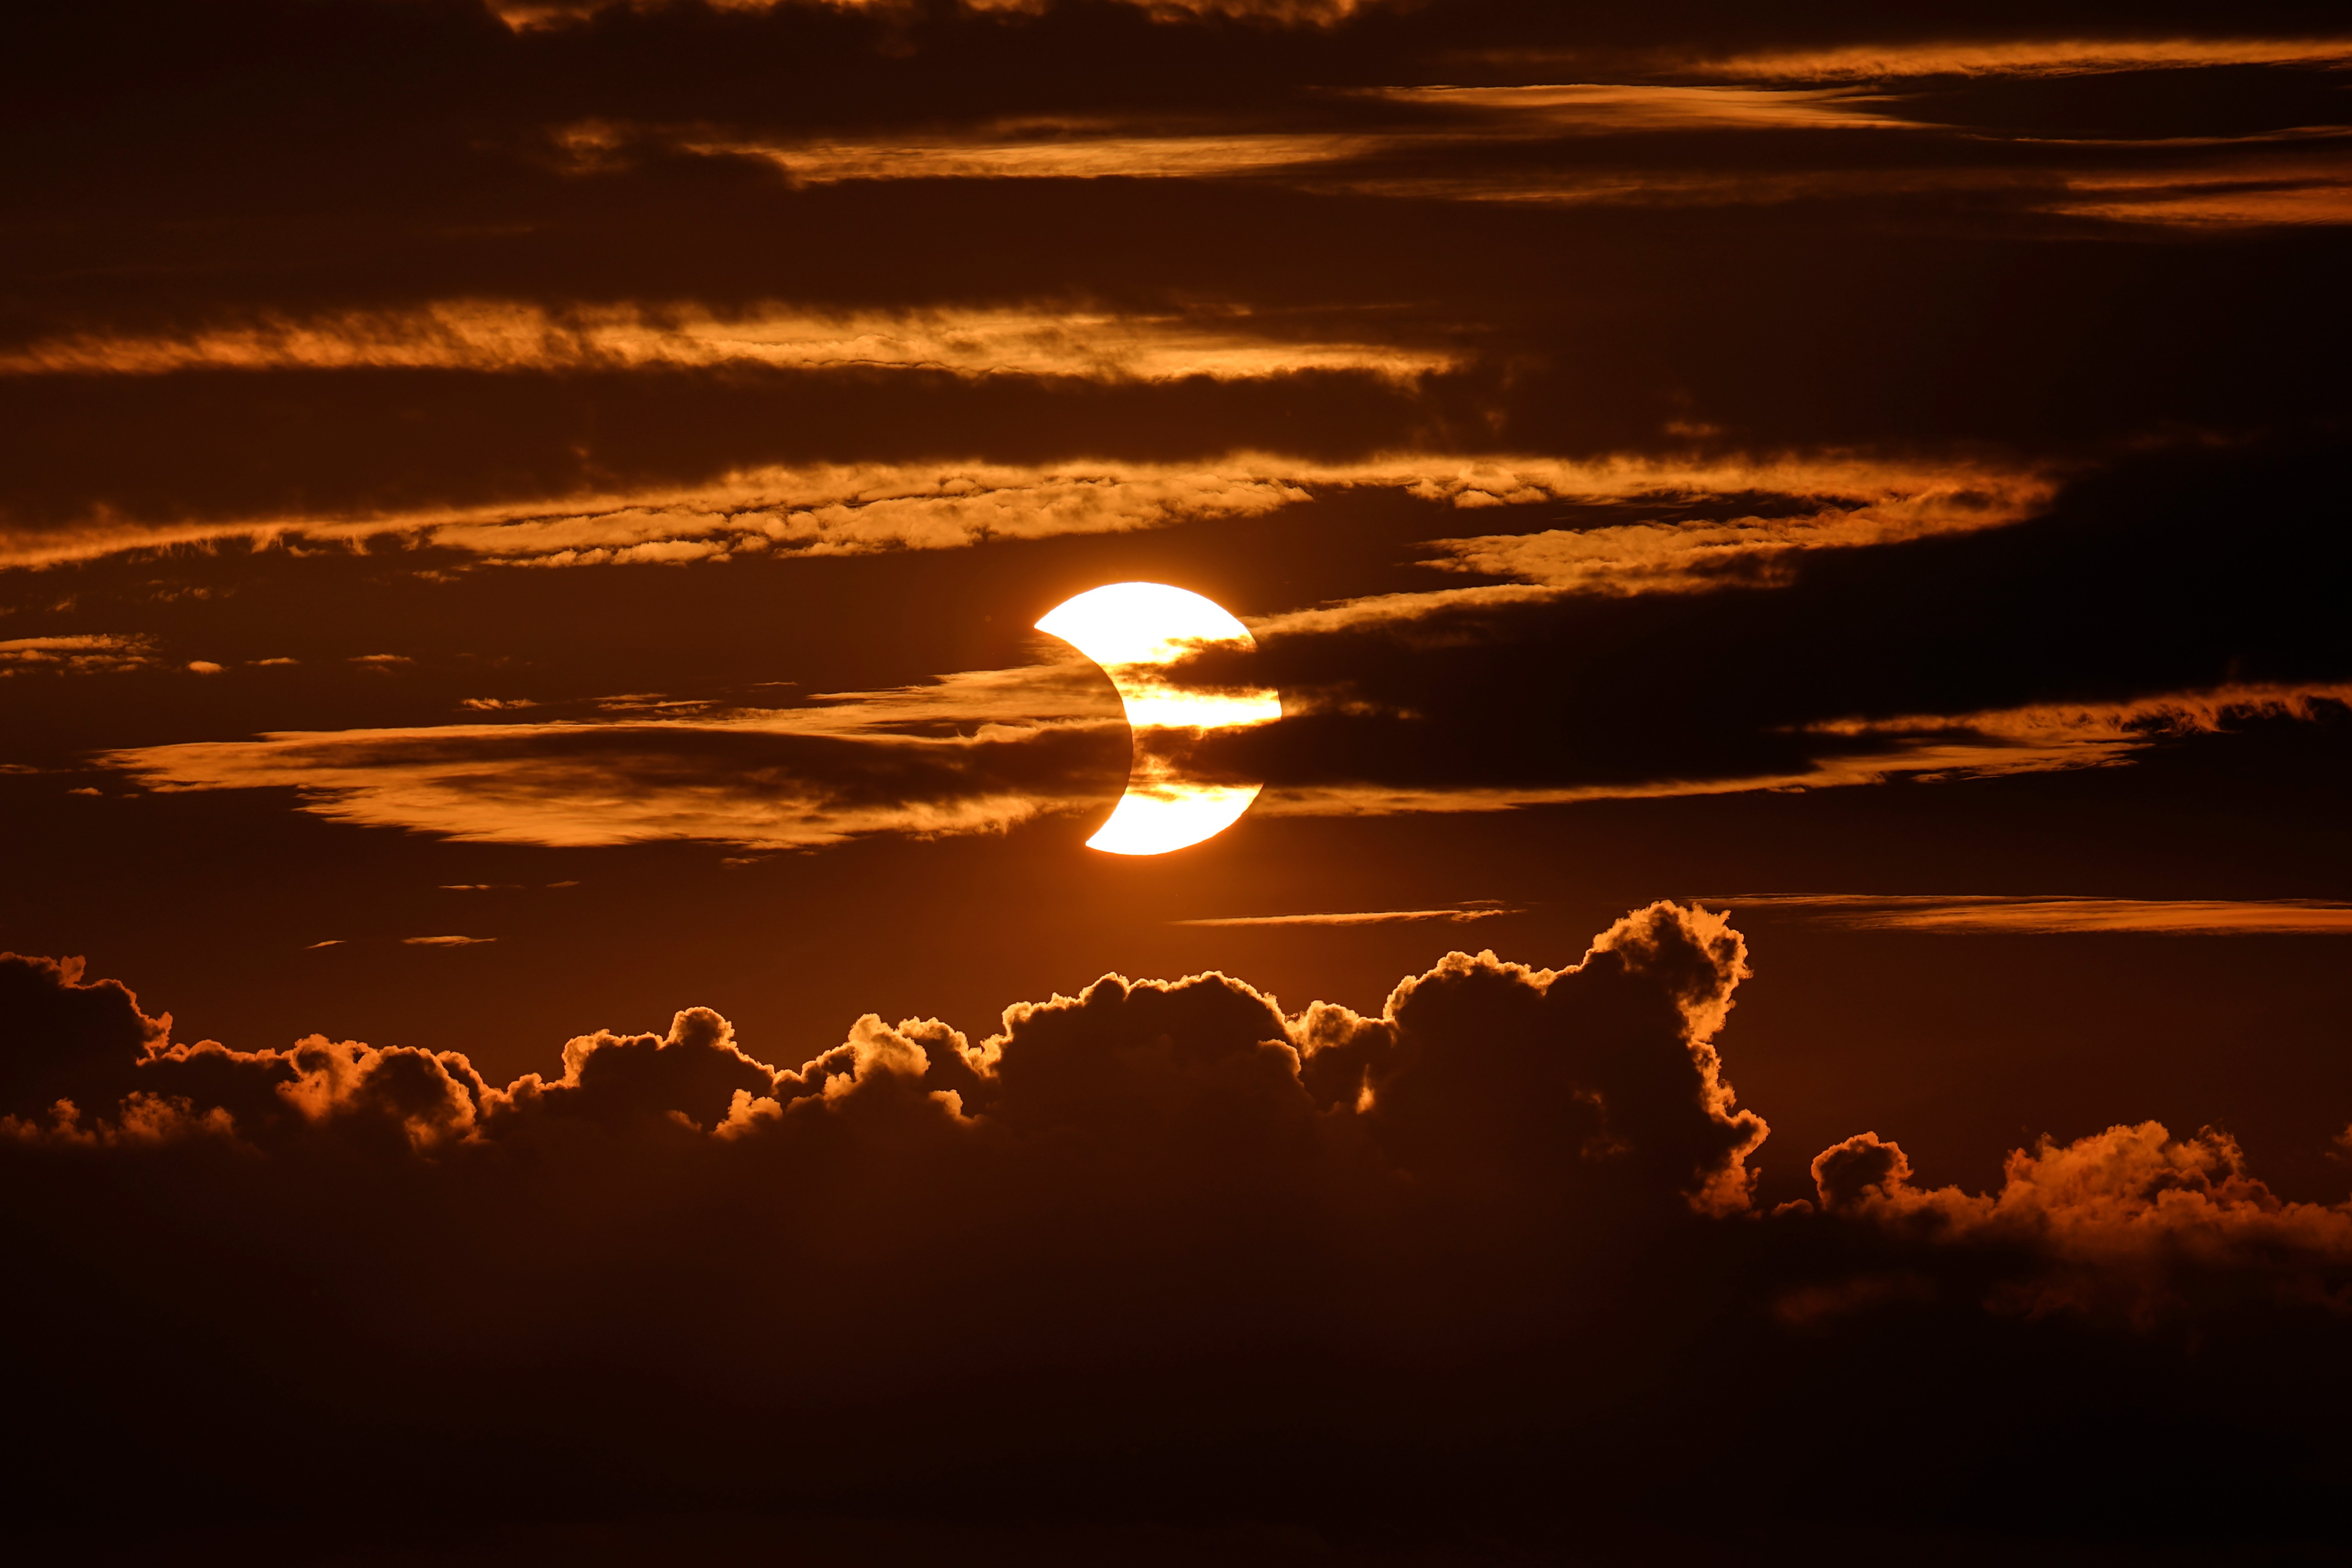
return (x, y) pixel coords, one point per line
(87, 654)
(1601, 107)
(2039, 738)
(1472, 909)
(490, 334)
(1827, 499)
(445, 941)
(1996, 913)
(973, 752)
(2023, 57)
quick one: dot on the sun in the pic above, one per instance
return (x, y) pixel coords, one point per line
(1135, 631)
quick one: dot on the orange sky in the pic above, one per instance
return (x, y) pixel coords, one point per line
(548, 896)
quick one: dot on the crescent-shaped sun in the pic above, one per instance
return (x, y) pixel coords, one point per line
(1135, 630)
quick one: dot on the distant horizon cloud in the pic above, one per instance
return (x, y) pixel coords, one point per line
(1995, 913)
(1476, 910)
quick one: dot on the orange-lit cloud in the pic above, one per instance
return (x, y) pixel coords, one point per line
(976, 753)
(2038, 738)
(2251, 182)
(1064, 148)
(2024, 56)
(1617, 107)
(505, 335)
(853, 509)
(1042, 740)
(85, 654)
(1995, 913)
(1459, 913)
(1879, 508)
(1651, 1113)
(1046, 150)
(2119, 1218)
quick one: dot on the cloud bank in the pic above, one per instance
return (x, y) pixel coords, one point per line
(1162, 1214)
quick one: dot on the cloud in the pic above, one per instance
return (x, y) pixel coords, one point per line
(1049, 741)
(84, 654)
(1602, 1074)
(1500, 1208)
(2126, 1220)
(1828, 500)
(445, 940)
(1848, 665)
(1996, 913)
(1872, 504)
(1476, 911)
(1084, 147)
(1598, 106)
(2029, 57)
(1595, 685)
(981, 751)
(1926, 748)
(496, 335)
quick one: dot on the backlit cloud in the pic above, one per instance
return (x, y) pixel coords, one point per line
(2029, 57)
(1042, 741)
(81, 654)
(1995, 913)
(1828, 500)
(1993, 743)
(510, 335)
(1459, 913)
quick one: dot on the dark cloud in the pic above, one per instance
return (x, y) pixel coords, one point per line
(1144, 1236)
(2182, 572)
(1995, 255)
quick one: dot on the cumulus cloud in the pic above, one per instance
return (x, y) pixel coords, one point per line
(1606, 1068)
(1484, 1097)
(1505, 1209)
(2131, 1220)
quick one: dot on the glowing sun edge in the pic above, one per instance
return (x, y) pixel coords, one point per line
(1133, 631)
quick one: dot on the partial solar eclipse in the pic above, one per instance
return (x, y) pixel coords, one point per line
(1135, 631)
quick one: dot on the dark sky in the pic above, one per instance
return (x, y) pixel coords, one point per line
(522, 523)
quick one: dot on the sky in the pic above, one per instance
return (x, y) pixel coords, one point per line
(1782, 989)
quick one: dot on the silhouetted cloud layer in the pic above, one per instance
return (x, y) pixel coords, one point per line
(1164, 1215)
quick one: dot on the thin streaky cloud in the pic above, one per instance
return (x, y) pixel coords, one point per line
(864, 508)
(1995, 913)
(84, 654)
(1105, 149)
(1640, 106)
(2038, 57)
(490, 334)
(1478, 909)
(1989, 743)
(975, 751)
(445, 941)
(986, 751)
